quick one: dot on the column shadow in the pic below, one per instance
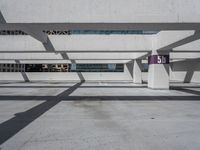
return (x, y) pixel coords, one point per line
(188, 66)
(24, 75)
(188, 76)
(2, 19)
(129, 66)
(186, 90)
(50, 48)
(12, 126)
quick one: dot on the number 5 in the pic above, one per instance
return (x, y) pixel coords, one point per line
(159, 59)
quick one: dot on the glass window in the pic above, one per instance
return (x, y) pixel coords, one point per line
(64, 67)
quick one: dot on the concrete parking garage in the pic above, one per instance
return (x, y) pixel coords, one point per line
(144, 93)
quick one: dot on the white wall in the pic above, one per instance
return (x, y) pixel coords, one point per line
(91, 11)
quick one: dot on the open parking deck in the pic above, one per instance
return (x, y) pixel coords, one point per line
(99, 75)
(98, 116)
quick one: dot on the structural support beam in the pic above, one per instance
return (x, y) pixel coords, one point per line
(65, 61)
(82, 43)
(70, 56)
(103, 26)
(30, 30)
(158, 75)
(137, 72)
(35, 33)
(167, 40)
(2, 19)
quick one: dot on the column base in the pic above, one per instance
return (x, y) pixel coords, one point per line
(137, 82)
(158, 88)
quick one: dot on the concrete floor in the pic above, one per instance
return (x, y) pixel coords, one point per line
(99, 116)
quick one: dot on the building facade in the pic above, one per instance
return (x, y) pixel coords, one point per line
(132, 33)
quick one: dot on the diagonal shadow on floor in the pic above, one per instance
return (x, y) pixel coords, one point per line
(12, 126)
(189, 91)
(61, 86)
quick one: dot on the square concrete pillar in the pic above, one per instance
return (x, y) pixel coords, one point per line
(137, 72)
(158, 74)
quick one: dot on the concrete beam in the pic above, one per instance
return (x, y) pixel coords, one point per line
(189, 47)
(184, 55)
(137, 71)
(78, 43)
(167, 40)
(65, 61)
(2, 19)
(104, 26)
(70, 56)
(164, 40)
(30, 30)
(35, 33)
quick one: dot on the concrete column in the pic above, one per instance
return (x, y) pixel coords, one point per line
(158, 74)
(137, 72)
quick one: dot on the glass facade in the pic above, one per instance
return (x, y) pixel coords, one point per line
(12, 67)
(61, 67)
(47, 67)
(112, 32)
(69, 32)
(145, 67)
(97, 68)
